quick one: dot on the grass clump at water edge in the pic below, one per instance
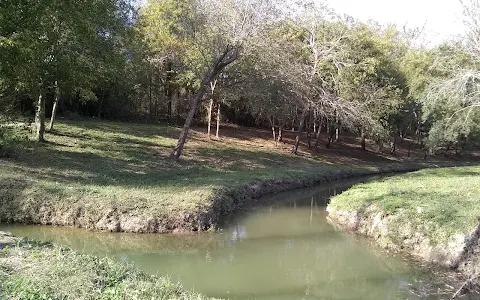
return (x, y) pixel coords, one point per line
(32, 270)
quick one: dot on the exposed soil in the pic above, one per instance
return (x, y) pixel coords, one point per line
(460, 253)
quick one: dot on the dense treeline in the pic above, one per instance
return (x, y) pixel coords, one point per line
(251, 62)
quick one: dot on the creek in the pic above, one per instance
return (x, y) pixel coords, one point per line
(283, 247)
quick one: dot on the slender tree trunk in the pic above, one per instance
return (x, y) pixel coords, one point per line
(168, 91)
(272, 122)
(300, 130)
(155, 105)
(393, 145)
(219, 65)
(317, 139)
(218, 121)
(210, 107)
(317, 136)
(62, 104)
(330, 133)
(177, 152)
(101, 104)
(280, 132)
(150, 97)
(307, 130)
(410, 148)
(363, 137)
(40, 119)
(55, 106)
(213, 84)
(337, 127)
(293, 119)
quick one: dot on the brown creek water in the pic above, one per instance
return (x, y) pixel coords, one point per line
(281, 248)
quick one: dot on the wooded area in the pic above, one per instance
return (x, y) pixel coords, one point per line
(249, 62)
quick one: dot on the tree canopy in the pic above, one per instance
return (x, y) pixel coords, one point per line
(273, 66)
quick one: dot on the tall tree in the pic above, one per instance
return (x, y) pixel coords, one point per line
(59, 45)
(211, 34)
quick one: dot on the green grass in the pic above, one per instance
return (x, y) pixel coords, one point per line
(444, 201)
(91, 168)
(30, 270)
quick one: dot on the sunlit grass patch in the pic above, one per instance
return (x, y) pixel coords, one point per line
(445, 200)
(42, 271)
(93, 169)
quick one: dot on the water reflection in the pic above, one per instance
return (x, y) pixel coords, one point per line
(283, 248)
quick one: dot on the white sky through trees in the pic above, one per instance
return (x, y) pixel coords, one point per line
(442, 18)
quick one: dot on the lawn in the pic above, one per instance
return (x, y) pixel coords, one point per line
(90, 172)
(443, 201)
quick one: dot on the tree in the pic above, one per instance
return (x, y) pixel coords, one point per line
(58, 43)
(452, 101)
(322, 34)
(370, 80)
(211, 34)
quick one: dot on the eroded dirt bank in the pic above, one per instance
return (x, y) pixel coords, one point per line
(140, 220)
(460, 253)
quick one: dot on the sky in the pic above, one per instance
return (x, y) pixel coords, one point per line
(442, 18)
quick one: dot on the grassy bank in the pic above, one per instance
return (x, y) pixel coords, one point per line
(30, 270)
(445, 201)
(118, 177)
(432, 213)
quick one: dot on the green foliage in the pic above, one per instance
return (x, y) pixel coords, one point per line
(111, 62)
(372, 79)
(70, 42)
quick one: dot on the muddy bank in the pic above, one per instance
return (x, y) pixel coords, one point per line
(224, 201)
(460, 253)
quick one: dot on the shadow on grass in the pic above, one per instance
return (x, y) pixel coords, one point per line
(136, 155)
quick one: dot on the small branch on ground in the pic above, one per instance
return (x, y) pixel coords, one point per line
(467, 287)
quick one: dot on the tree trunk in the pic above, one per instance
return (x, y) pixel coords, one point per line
(410, 148)
(393, 145)
(337, 127)
(150, 97)
(363, 137)
(213, 84)
(62, 104)
(300, 130)
(168, 90)
(330, 133)
(210, 107)
(218, 121)
(101, 104)
(40, 119)
(317, 136)
(177, 152)
(220, 64)
(293, 119)
(280, 132)
(317, 139)
(55, 106)
(272, 122)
